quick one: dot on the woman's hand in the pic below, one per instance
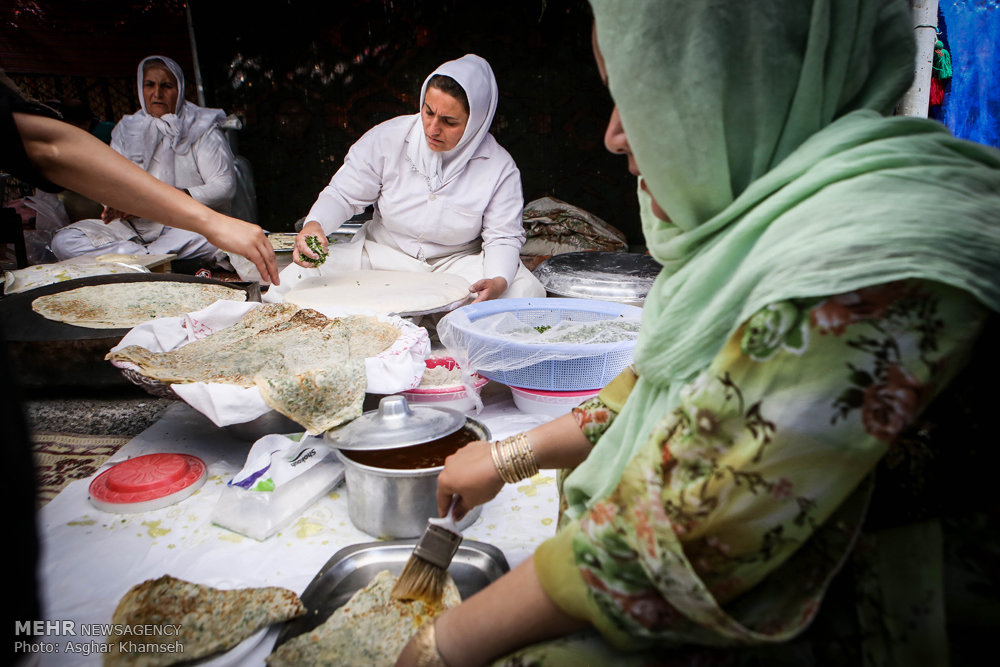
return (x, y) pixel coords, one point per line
(110, 214)
(471, 474)
(302, 253)
(247, 240)
(488, 288)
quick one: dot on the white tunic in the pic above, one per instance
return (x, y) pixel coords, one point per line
(186, 149)
(481, 207)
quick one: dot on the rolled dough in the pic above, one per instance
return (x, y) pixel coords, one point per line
(384, 292)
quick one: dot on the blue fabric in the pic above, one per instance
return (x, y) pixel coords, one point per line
(971, 108)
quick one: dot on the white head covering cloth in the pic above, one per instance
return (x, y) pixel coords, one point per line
(475, 76)
(182, 128)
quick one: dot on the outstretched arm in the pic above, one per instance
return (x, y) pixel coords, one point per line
(74, 159)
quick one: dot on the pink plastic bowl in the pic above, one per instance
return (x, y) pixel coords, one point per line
(552, 403)
(455, 397)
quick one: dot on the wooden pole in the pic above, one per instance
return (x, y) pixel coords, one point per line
(199, 86)
(917, 99)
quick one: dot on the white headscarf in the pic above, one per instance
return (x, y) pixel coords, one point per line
(475, 76)
(182, 128)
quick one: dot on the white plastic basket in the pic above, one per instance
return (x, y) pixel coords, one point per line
(542, 366)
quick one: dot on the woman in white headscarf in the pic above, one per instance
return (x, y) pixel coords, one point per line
(447, 197)
(181, 144)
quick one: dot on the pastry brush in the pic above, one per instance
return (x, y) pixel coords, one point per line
(424, 574)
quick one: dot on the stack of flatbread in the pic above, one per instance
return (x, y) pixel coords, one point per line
(307, 366)
(192, 620)
(371, 628)
(129, 304)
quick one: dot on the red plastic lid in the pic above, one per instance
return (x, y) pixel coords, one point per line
(148, 482)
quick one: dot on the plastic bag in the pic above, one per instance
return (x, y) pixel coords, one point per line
(283, 476)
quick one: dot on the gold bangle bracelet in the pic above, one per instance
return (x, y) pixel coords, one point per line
(427, 650)
(498, 461)
(526, 456)
(501, 462)
(514, 458)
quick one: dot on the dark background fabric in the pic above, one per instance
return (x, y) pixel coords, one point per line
(308, 79)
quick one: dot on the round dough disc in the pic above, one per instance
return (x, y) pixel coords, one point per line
(385, 292)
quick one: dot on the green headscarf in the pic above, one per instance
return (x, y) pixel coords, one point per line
(759, 128)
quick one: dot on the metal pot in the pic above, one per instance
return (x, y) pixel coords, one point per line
(390, 503)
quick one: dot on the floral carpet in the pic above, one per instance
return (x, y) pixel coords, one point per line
(61, 458)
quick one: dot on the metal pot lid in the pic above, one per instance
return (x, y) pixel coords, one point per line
(610, 276)
(394, 424)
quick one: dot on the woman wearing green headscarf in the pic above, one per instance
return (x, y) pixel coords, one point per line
(827, 270)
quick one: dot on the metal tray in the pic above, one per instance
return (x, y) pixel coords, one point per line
(608, 276)
(475, 565)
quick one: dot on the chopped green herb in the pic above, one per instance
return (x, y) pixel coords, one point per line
(542, 328)
(317, 247)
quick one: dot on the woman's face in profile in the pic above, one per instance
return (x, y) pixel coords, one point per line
(444, 120)
(615, 139)
(159, 91)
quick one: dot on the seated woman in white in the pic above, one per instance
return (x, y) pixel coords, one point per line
(179, 143)
(447, 197)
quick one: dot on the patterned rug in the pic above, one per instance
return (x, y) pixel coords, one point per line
(61, 458)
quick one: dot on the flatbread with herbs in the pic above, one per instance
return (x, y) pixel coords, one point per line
(307, 366)
(318, 399)
(126, 305)
(371, 628)
(195, 620)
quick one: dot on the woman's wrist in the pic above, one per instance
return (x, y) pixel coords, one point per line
(425, 643)
(313, 227)
(514, 458)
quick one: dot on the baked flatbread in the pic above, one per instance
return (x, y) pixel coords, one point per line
(369, 629)
(318, 399)
(307, 366)
(126, 305)
(194, 620)
(385, 292)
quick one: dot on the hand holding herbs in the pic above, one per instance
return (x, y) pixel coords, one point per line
(316, 246)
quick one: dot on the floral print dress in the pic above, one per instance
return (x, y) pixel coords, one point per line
(722, 538)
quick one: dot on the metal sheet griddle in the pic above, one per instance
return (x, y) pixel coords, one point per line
(47, 354)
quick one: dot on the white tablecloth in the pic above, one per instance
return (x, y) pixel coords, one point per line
(91, 558)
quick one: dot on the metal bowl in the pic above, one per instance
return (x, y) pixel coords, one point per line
(607, 276)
